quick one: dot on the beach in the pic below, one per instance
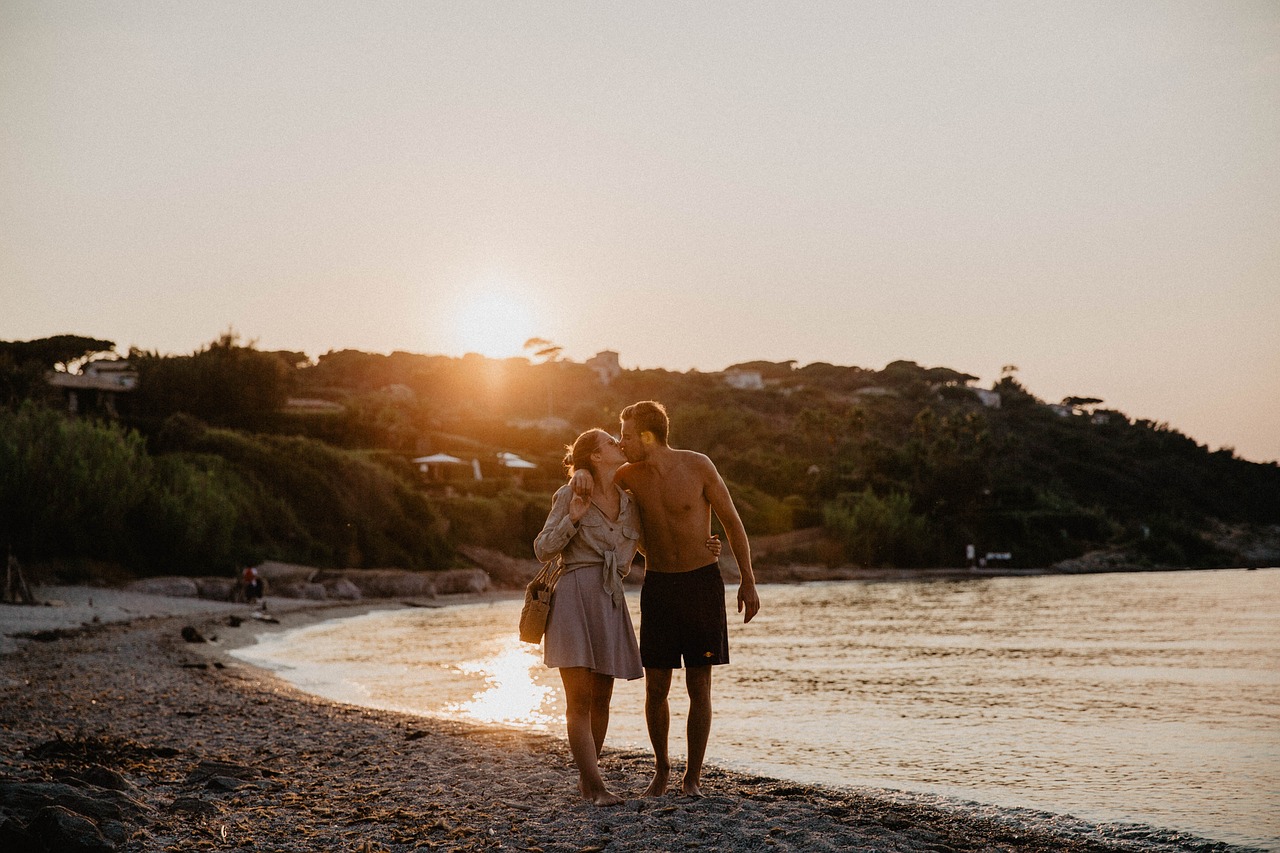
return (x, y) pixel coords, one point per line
(137, 739)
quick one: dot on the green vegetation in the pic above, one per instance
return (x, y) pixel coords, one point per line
(223, 384)
(212, 465)
(209, 501)
(878, 531)
(23, 364)
(69, 487)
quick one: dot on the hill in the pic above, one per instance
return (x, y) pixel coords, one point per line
(901, 466)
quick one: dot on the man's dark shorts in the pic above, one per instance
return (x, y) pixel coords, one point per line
(682, 614)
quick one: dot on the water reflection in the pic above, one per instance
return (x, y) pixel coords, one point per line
(511, 695)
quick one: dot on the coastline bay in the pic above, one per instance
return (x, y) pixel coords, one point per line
(222, 757)
(1002, 691)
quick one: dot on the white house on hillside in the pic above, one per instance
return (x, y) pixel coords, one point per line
(98, 386)
(744, 380)
(606, 366)
(990, 399)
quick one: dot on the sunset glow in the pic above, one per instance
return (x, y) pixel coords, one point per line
(494, 322)
(1088, 191)
(510, 694)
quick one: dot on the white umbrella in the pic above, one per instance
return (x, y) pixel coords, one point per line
(438, 459)
(510, 460)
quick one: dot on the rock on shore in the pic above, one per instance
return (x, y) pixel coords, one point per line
(285, 580)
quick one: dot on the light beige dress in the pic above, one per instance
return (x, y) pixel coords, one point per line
(589, 624)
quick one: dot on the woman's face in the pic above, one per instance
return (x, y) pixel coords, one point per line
(610, 451)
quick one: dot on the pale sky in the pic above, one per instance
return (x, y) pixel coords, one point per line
(1087, 190)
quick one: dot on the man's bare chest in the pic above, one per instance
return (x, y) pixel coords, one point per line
(668, 498)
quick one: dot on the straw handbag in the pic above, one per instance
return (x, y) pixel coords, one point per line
(537, 602)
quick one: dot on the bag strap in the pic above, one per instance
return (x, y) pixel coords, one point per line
(551, 571)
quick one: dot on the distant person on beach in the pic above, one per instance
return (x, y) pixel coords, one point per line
(589, 635)
(251, 585)
(682, 611)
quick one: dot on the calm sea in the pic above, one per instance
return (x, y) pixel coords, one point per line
(1147, 698)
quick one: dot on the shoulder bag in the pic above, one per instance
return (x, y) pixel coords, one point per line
(537, 602)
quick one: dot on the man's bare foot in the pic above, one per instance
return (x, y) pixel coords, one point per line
(658, 786)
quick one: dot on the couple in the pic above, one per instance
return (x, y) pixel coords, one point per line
(639, 494)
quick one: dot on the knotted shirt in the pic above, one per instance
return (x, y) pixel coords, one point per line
(596, 541)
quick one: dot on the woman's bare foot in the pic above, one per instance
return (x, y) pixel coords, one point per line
(658, 786)
(607, 798)
(599, 797)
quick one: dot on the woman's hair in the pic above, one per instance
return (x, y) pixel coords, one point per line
(577, 456)
(649, 416)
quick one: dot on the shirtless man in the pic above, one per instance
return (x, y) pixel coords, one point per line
(682, 612)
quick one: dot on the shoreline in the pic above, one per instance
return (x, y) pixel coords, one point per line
(211, 750)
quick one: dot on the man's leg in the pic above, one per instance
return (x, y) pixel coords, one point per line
(657, 716)
(697, 680)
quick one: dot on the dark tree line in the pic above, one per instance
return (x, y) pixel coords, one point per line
(902, 466)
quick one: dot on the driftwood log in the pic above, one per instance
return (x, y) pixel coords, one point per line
(16, 590)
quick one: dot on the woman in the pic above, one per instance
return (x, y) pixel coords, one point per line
(589, 635)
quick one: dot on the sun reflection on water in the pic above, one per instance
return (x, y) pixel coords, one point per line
(511, 695)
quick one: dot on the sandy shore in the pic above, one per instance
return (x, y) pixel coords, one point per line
(170, 745)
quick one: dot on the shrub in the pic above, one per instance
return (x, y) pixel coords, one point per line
(879, 531)
(68, 487)
(507, 522)
(761, 513)
(213, 499)
(342, 509)
(186, 522)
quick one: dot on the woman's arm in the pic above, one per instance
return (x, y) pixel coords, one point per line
(567, 510)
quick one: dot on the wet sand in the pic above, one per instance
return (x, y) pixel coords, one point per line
(181, 747)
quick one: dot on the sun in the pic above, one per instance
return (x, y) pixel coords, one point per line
(494, 322)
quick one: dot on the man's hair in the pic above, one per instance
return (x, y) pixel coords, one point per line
(649, 416)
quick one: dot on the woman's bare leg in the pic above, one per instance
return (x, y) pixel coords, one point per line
(578, 682)
(601, 695)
